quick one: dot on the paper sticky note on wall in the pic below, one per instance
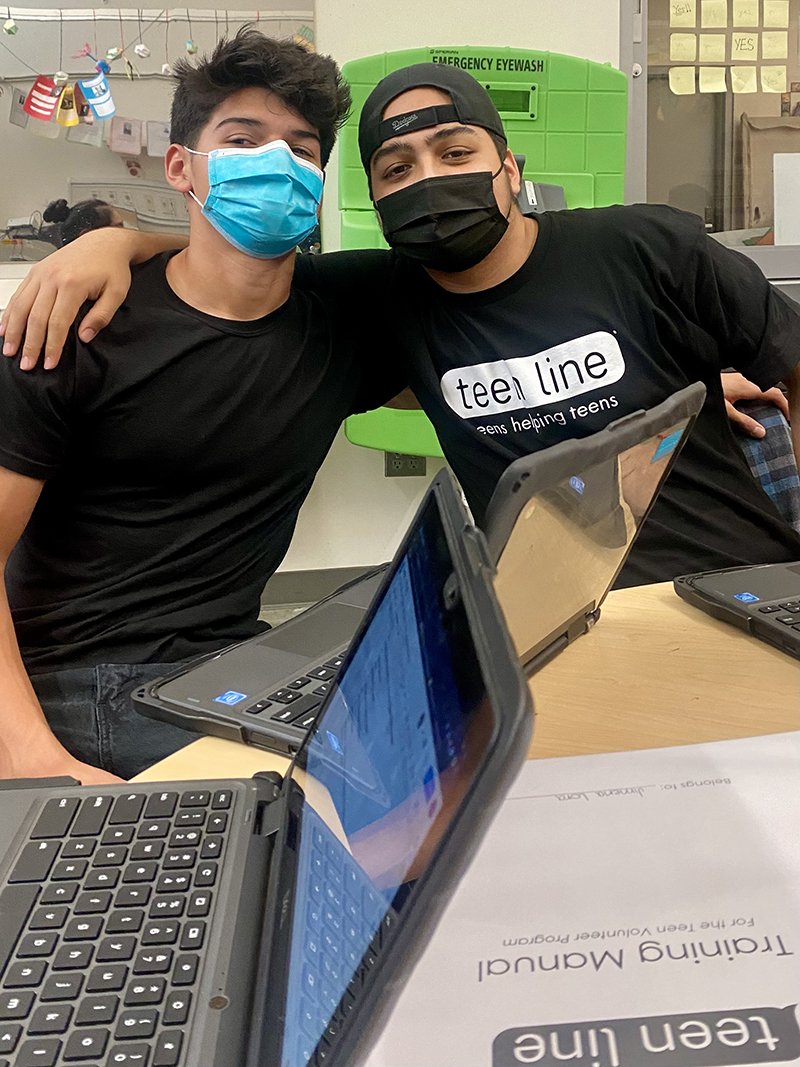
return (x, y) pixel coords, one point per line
(773, 79)
(683, 47)
(774, 44)
(712, 48)
(776, 13)
(681, 80)
(714, 14)
(682, 13)
(744, 46)
(712, 80)
(744, 80)
(745, 12)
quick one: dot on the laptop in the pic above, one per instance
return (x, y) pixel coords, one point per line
(560, 524)
(273, 921)
(764, 600)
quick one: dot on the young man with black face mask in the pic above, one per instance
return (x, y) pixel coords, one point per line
(518, 333)
(521, 332)
(149, 486)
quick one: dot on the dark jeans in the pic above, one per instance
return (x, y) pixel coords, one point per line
(89, 709)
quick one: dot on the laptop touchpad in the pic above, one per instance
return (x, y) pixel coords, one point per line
(316, 632)
(361, 593)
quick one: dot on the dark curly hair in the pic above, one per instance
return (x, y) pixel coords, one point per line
(80, 218)
(305, 81)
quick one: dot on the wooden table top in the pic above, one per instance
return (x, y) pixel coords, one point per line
(653, 672)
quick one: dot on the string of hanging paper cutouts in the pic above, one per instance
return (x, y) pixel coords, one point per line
(89, 98)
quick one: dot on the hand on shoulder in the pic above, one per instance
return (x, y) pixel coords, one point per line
(94, 267)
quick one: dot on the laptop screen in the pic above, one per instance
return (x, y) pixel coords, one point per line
(571, 538)
(383, 773)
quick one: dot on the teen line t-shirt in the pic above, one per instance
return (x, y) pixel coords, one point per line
(176, 450)
(615, 309)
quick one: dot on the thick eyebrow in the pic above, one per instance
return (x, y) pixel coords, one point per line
(241, 121)
(391, 147)
(308, 135)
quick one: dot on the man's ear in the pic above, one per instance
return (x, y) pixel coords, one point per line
(512, 171)
(176, 168)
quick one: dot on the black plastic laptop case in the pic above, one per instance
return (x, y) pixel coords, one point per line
(763, 600)
(247, 722)
(580, 479)
(239, 1003)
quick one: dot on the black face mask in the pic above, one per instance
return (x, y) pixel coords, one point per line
(448, 223)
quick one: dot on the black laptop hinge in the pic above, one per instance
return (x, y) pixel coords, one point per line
(267, 819)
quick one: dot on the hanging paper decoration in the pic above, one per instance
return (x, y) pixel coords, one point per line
(98, 96)
(43, 98)
(142, 51)
(191, 47)
(10, 27)
(305, 37)
(87, 135)
(166, 68)
(125, 136)
(67, 112)
(85, 113)
(60, 77)
(113, 53)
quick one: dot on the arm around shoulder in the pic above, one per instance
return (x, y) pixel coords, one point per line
(95, 267)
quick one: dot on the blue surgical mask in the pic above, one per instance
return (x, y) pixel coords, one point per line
(263, 200)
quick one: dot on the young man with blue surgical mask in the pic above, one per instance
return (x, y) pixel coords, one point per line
(150, 484)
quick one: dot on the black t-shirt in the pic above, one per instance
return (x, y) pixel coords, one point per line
(615, 309)
(177, 449)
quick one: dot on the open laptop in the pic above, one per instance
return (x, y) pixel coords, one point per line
(560, 524)
(273, 921)
(764, 600)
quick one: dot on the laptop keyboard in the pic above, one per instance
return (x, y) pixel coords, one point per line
(786, 612)
(102, 928)
(339, 937)
(298, 702)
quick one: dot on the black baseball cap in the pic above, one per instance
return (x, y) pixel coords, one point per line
(471, 106)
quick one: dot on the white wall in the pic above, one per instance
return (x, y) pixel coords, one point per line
(354, 514)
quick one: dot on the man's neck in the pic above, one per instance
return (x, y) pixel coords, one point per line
(216, 278)
(505, 259)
